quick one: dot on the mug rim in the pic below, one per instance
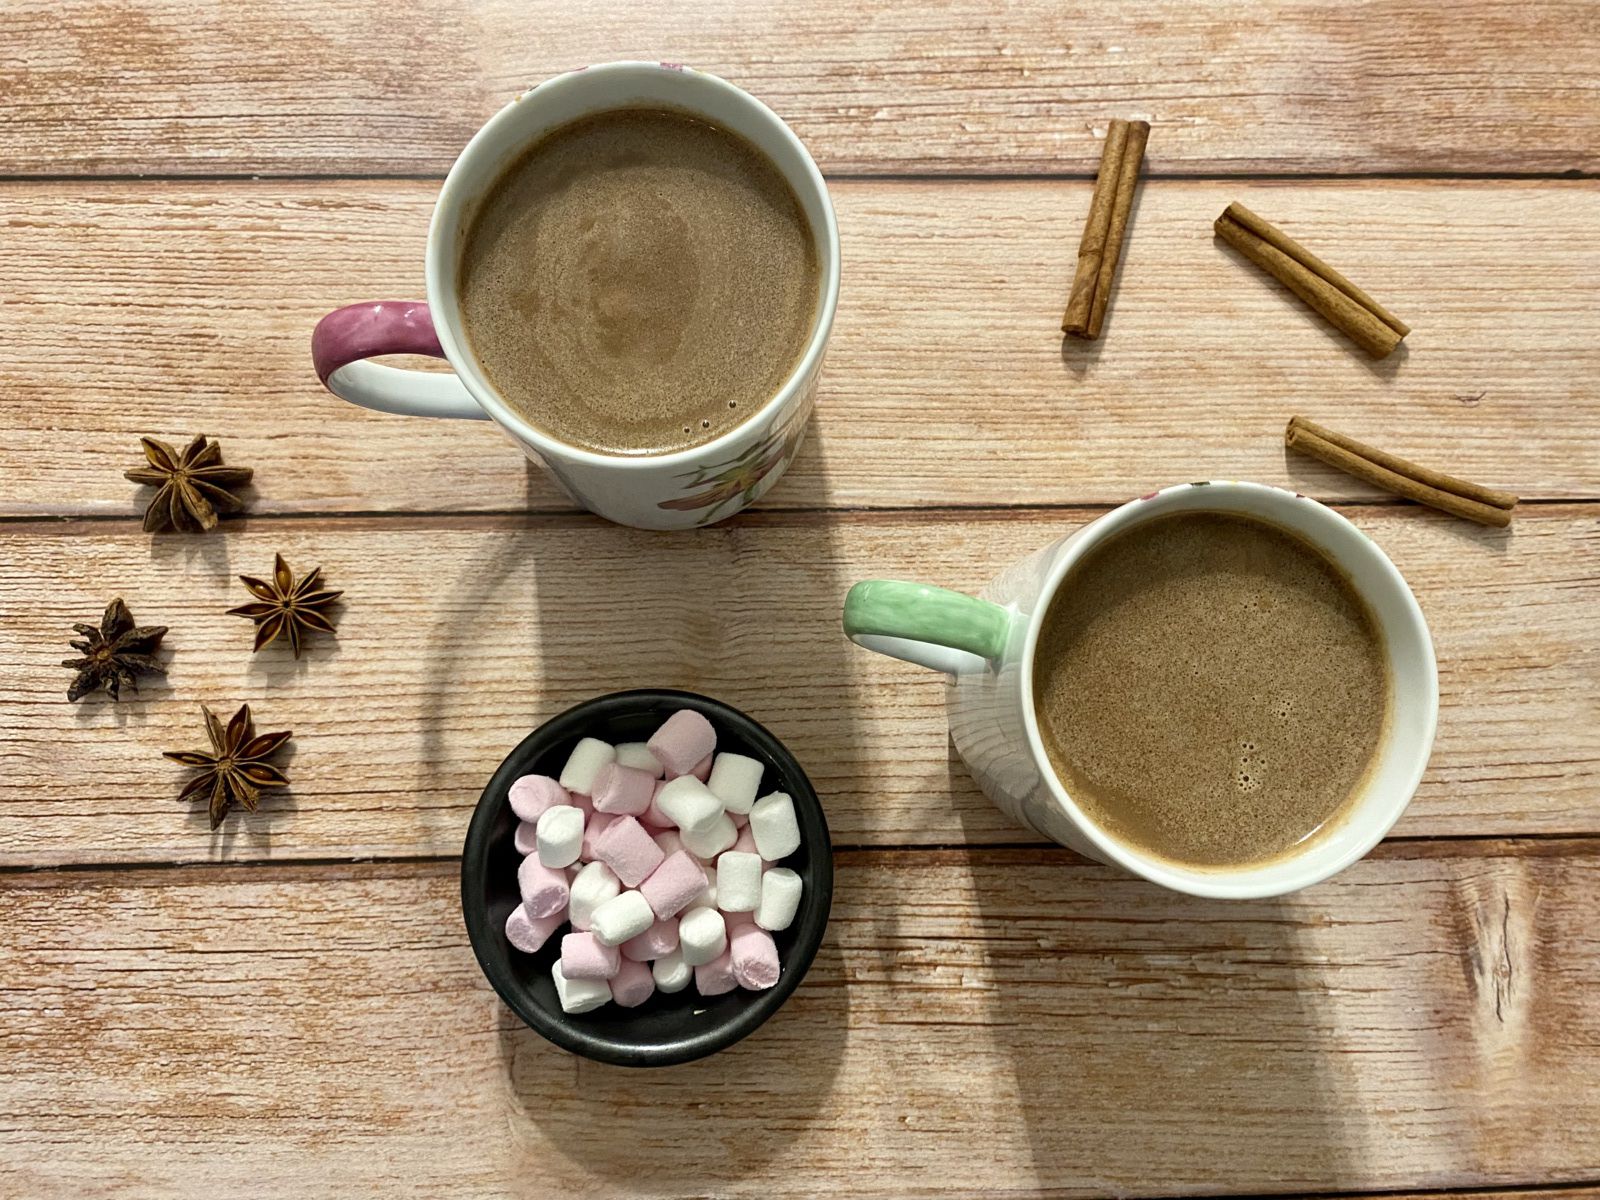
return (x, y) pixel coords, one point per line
(1376, 812)
(441, 262)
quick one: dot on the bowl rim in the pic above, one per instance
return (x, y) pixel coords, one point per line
(561, 1029)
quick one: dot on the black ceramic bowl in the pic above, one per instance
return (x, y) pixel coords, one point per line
(665, 1029)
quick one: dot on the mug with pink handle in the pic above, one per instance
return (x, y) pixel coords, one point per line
(677, 490)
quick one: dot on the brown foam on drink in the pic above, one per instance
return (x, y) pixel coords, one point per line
(1210, 689)
(638, 282)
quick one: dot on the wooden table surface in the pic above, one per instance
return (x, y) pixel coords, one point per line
(289, 1007)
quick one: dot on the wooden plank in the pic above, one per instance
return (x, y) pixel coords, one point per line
(459, 635)
(166, 309)
(1009, 1023)
(175, 86)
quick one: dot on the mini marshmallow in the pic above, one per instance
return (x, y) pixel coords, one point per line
(671, 973)
(584, 763)
(532, 794)
(593, 828)
(621, 918)
(754, 958)
(628, 850)
(544, 889)
(579, 995)
(591, 888)
(672, 885)
(740, 820)
(637, 755)
(683, 740)
(583, 804)
(702, 769)
(735, 779)
(738, 881)
(689, 804)
(529, 934)
(632, 985)
(773, 825)
(702, 935)
(708, 894)
(560, 834)
(712, 840)
(526, 838)
(780, 899)
(653, 815)
(715, 977)
(669, 841)
(584, 956)
(746, 840)
(623, 790)
(661, 938)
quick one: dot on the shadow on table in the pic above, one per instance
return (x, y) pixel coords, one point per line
(690, 1129)
(1160, 1040)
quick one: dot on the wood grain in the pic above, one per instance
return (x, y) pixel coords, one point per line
(999, 1023)
(459, 635)
(169, 309)
(162, 86)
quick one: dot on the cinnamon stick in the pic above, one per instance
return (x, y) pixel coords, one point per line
(1487, 506)
(1349, 309)
(1100, 248)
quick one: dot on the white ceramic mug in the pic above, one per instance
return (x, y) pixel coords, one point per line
(987, 646)
(662, 491)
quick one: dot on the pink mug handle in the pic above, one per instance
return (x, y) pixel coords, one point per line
(344, 340)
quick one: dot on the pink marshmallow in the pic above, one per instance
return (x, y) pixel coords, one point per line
(532, 794)
(526, 838)
(669, 841)
(653, 815)
(584, 956)
(754, 957)
(661, 938)
(702, 769)
(715, 977)
(628, 849)
(746, 841)
(582, 802)
(672, 885)
(740, 820)
(529, 934)
(683, 740)
(596, 825)
(623, 790)
(544, 889)
(633, 984)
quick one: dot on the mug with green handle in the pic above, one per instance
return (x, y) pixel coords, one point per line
(985, 645)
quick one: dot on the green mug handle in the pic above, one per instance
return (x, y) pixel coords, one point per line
(930, 626)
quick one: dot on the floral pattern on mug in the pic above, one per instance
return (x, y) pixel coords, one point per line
(736, 480)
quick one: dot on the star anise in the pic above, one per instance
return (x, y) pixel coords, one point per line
(193, 486)
(284, 606)
(114, 653)
(234, 772)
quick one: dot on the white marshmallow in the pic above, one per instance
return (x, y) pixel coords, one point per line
(671, 973)
(738, 881)
(591, 888)
(560, 835)
(637, 755)
(579, 995)
(708, 896)
(735, 779)
(702, 935)
(690, 804)
(780, 899)
(620, 918)
(773, 825)
(584, 763)
(713, 840)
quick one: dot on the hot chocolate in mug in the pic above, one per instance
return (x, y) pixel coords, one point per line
(986, 645)
(676, 490)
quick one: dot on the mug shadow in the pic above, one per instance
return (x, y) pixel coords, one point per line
(1148, 1013)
